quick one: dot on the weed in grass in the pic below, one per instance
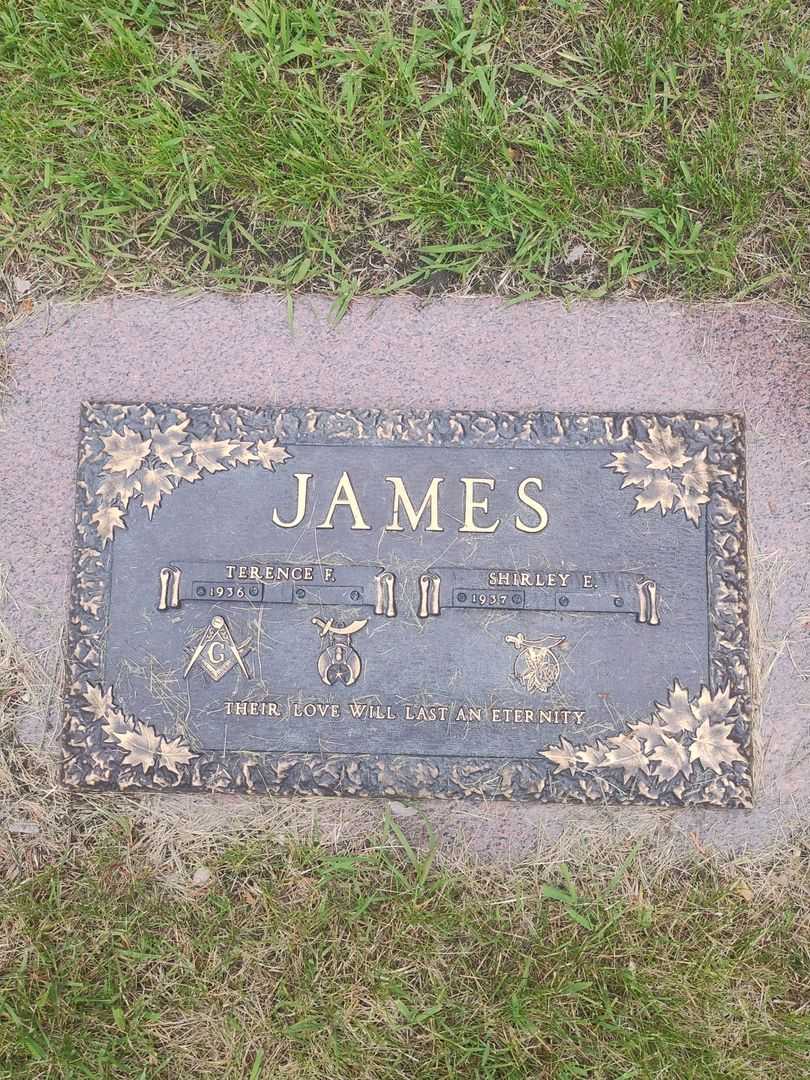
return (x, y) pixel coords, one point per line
(385, 145)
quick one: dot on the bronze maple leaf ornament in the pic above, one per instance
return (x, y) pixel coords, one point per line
(669, 476)
(151, 466)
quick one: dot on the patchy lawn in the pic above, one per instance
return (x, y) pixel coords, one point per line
(308, 962)
(551, 146)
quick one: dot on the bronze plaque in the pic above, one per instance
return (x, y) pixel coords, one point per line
(411, 603)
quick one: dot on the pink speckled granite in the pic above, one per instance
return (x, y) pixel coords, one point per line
(458, 353)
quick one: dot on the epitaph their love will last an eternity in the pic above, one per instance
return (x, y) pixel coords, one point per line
(411, 603)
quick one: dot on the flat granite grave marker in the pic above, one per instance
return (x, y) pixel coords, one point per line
(411, 603)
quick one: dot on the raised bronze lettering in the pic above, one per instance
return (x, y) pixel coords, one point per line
(401, 497)
(471, 504)
(533, 504)
(345, 496)
(303, 480)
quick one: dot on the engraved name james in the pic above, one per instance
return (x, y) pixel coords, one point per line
(475, 503)
(528, 606)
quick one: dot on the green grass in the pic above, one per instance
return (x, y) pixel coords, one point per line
(373, 963)
(552, 146)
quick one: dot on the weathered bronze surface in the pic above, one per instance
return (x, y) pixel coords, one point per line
(450, 604)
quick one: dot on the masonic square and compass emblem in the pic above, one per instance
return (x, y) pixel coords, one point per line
(216, 651)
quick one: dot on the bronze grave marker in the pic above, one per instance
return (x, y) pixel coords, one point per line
(410, 603)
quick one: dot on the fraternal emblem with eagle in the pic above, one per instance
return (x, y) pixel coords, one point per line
(536, 666)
